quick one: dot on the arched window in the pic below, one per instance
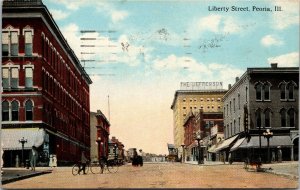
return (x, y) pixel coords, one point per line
(268, 118)
(15, 111)
(290, 89)
(29, 110)
(283, 117)
(291, 118)
(5, 111)
(258, 88)
(266, 89)
(282, 91)
(258, 118)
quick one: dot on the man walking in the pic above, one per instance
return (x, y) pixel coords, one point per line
(33, 158)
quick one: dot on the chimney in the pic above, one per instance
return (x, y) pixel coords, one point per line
(229, 86)
(237, 79)
(98, 111)
(273, 65)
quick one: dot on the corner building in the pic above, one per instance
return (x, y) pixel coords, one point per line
(270, 96)
(45, 97)
(205, 96)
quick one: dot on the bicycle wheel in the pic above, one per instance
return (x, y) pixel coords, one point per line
(112, 167)
(75, 169)
(95, 168)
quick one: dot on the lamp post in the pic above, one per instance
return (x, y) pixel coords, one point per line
(198, 138)
(23, 141)
(98, 141)
(267, 134)
(182, 160)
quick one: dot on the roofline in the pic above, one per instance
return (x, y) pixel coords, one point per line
(194, 91)
(32, 7)
(261, 70)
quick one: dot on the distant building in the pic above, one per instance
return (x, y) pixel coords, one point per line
(200, 123)
(268, 99)
(100, 129)
(194, 96)
(116, 150)
(45, 97)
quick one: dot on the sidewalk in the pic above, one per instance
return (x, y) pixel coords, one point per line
(14, 174)
(288, 169)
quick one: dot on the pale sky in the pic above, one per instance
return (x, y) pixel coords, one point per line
(144, 49)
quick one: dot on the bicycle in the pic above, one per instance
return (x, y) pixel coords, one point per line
(104, 164)
(88, 167)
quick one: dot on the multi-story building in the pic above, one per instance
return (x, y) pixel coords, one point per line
(200, 123)
(194, 96)
(116, 150)
(99, 136)
(45, 98)
(265, 98)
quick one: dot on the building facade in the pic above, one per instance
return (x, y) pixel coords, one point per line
(45, 98)
(100, 130)
(194, 96)
(268, 98)
(200, 123)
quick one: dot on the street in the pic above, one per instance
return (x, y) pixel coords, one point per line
(160, 175)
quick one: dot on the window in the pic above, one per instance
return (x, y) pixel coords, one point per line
(233, 104)
(5, 111)
(239, 124)
(10, 42)
(267, 118)
(239, 101)
(258, 118)
(5, 77)
(234, 126)
(14, 78)
(291, 118)
(282, 91)
(29, 110)
(290, 88)
(258, 88)
(266, 89)
(28, 43)
(184, 108)
(10, 77)
(28, 77)
(14, 111)
(283, 117)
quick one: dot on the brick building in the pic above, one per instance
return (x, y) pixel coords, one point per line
(100, 129)
(269, 96)
(195, 96)
(45, 95)
(200, 123)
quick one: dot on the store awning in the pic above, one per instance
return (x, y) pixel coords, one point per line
(226, 143)
(10, 138)
(237, 144)
(275, 141)
(212, 149)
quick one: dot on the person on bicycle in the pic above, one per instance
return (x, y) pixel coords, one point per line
(84, 161)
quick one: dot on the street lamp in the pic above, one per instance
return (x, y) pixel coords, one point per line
(98, 141)
(23, 141)
(198, 138)
(182, 160)
(267, 134)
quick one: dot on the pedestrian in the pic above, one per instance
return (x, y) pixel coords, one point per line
(83, 163)
(140, 157)
(279, 153)
(135, 158)
(273, 156)
(33, 157)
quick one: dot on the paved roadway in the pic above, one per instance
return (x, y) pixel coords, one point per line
(160, 175)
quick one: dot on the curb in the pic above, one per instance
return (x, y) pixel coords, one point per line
(290, 176)
(24, 177)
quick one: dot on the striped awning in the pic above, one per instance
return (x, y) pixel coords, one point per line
(226, 143)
